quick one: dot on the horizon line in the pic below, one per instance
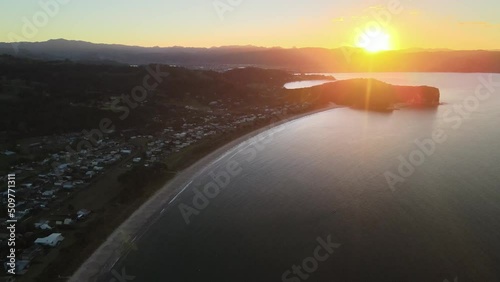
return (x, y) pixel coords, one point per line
(245, 45)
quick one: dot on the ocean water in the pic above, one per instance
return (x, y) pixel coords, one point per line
(305, 84)
(412, 195)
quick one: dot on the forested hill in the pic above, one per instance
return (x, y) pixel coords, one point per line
(49, 97)
(297, 59)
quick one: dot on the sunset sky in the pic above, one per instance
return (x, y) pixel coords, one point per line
(449, 24)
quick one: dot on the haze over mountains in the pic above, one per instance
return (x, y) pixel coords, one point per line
(345, 59)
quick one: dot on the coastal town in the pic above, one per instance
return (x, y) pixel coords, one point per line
(249, 141)
(87, 151)
(50, 175)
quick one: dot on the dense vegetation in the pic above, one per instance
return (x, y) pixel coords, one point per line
(345, 59)
(44, 98)
(368, 94)
(41, 98)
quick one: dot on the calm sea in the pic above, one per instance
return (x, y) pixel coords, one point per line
(412, 195)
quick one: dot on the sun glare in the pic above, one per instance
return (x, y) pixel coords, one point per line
(375, 43)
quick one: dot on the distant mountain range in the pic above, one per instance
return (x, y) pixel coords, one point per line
(296, 59)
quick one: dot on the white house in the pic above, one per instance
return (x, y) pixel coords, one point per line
(52, 240)
(98, 168)
(68, 221)
(63, 167)
(90, 174)
(9, 153)
(44, 225)
(83, 213)
(48, 193)
(27, 185)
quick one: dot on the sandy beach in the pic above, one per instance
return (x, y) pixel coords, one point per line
(109, 253)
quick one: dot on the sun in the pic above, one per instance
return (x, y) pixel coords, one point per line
(374, 42)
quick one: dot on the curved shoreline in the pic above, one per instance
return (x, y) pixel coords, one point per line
(111, 251)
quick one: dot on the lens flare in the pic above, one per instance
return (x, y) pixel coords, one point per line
(375, 42)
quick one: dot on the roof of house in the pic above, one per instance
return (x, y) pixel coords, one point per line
(51, 237)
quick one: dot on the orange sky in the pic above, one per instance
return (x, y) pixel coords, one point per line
(300, 23)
